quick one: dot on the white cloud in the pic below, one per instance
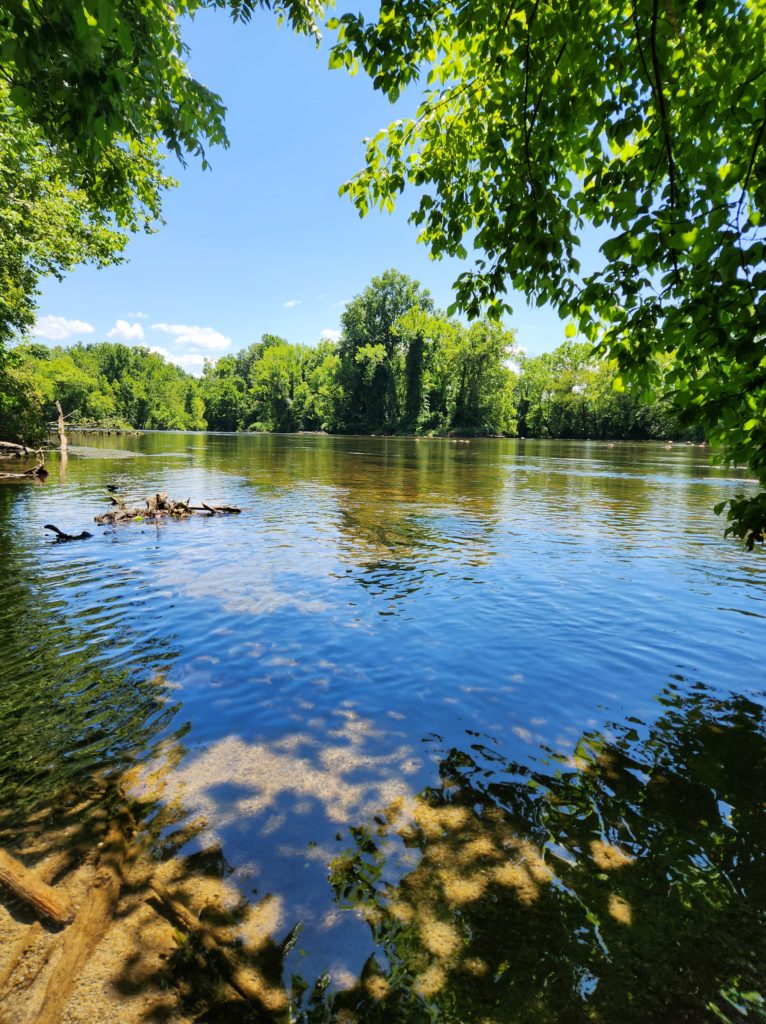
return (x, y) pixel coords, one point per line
(126, 332)
(139, 316)
(58, 328)
(192, 362)
(330, 334)
(292, 303)
(195, 337)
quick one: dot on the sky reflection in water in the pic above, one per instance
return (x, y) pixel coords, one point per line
(466, 712)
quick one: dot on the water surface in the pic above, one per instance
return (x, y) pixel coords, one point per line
(485, 719)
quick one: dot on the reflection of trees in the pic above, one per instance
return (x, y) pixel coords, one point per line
(413, 509)
(70, 708)
(625, 884)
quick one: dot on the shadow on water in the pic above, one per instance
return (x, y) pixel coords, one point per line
(627, 883)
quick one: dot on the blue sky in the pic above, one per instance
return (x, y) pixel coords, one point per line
(262, 242)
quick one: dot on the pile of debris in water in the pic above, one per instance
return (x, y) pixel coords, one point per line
(159, 506)
(9, 450)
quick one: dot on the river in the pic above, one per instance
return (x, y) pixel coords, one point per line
(478, 725)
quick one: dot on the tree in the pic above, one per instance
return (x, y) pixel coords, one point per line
(646, 121)
(371, 348)
(90, 95)
(47, 227)
(484, 398)
(102, 382)
(223, 394)
(111, 77)
(278, 389)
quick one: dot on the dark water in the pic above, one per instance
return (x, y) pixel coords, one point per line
(486, 719)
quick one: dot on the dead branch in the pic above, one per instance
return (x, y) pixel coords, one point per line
(30, 888)
(9, 449)
(38, 472)
(159, 506)
(28, 938)
(90, 926)
(62, 537)
(61, 428)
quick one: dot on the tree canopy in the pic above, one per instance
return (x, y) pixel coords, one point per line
(643, 120)
(114, 72)
(91, 97)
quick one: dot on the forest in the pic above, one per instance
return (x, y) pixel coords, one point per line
(400, 366)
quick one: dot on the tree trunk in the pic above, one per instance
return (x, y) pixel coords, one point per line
(62, 431)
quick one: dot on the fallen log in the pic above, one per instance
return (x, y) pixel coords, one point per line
(217, 509)
(9, 449)
(28, 938)
(90, 926)
(30, 888)
(38, 472)
(14, 978)
(62, 537)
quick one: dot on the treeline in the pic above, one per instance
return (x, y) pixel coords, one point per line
(106, 383)
(400, 366)
(568, 393)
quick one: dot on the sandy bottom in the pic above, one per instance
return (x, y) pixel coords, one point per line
(217, 962)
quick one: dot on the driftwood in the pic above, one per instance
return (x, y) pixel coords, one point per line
(216, 509)
(62, 537)
(30, 888)
(28, 938)
(12, 980)
(159, 506)
(90, 926)
(38, 472)
(9, 450)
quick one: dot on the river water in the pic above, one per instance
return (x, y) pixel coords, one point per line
(477, 726)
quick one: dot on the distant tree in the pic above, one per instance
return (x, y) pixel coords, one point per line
(371, 349)
(569, 392)
(222, 391)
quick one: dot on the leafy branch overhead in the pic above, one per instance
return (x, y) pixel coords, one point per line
(92, 94)
(93, 73)
(644, 121)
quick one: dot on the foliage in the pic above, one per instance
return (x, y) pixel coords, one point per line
(90, 96)
(21, 404)
(571, 393)
(112, 76)
(46, 226)
(97, 382)
(371, 349)
(223, 393)
(399, 367)
(645, 121)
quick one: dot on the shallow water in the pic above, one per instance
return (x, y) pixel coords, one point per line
(485, 718)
